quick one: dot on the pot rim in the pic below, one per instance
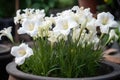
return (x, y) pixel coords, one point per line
(5, 53)
(12, 70)
(6, 49)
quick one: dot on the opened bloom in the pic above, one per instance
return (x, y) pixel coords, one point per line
(30, 27)
(113, 35)
(28, 14)
(7, 32)
(105, 21)
(18, 17)
(64, 24)
(21, 53)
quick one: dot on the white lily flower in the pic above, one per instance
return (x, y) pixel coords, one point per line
(105, 21)
(43, 29)
(7, 32)
(29, 14)
(76, 9)
(18, 17)
(88, 13)
(64, 24)
(28, 11)
(38, 16)
(91, 25)
(83, 15)
(30, 27)
(40, 13)
(21, 52)
(112, 34)
(56, 36)
(53, 36)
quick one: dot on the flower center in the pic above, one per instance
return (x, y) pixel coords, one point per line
(105, 20)
(22, 52)
(65, 26)
(31, 27)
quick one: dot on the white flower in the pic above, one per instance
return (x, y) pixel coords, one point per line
(28, 11)
(56, 36)
(77, 9)
(91, 26)
(105, 21)
(30, 27)
(64, 24)
(21, 52)
(7, 32)
(53, 36)
(44, 28)
(82, 15)
(39, 14)
(112, 35)
(29, 14)
(18, 17)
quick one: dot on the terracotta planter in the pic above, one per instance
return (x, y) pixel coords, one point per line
(88, 4)
(5, 58)
(112, 74)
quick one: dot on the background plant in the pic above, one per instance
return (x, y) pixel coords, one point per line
(7, 7)
(39, 4)
(47, 5)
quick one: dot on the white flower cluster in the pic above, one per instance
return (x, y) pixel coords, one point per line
(30, 20)
(57, 27)
(77, 22)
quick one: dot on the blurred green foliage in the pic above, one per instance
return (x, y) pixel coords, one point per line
(7, 7)
(109, 2)
(47, 4)
(37, 4)
(105, 5)
(66, 3)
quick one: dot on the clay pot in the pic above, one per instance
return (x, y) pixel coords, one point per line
(113, 53)
(92, 4)
(5, 58)
(110, 71)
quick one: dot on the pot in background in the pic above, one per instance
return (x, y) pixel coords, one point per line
(5, 58)
(92, 4)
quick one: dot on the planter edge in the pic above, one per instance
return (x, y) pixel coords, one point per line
(11, 67)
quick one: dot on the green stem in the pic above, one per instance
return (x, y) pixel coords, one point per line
(82, 28)
(99, 40)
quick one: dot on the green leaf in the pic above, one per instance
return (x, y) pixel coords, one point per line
(51, 70)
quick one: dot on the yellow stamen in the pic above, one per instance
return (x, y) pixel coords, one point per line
(22, 52)
(105, 20)
(31, 27)
(65, 26)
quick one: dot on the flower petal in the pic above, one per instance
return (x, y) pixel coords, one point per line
(19, 60)
(21, 52)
